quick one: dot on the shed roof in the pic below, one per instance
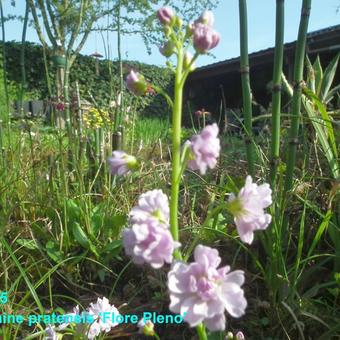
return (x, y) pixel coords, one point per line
(317, 41)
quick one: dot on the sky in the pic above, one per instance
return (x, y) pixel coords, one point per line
(261, 29)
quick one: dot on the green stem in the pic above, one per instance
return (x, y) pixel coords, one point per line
(22, 59)
(296, 102)
(176, 150)
(246, 91)
(202, 335)
(276, 96)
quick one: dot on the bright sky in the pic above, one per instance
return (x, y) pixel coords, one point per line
(261, 29)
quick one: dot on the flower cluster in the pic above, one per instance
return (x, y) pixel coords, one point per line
(205, 149)
(94, 313)
(204, 36)
(149, 239)
(95, 119)
(97, 309)
(248, 209)
(202, 292)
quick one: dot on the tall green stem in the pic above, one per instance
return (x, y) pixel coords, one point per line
(296, 101)
(176, 150)
(121, 81)
(276, 97)
(22, 59)
(246, 90)
(4, 63)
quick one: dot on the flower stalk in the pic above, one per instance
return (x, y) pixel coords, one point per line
(176, 150)
(246, 90)
(276, 96)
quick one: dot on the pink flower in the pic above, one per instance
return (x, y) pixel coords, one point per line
(121, 163)
(201, 292)
(206, 18)
(97, 310)
(248, 209)
(149, 242)
(149, 239)
(205, 38)
(136, 83)
(165, 15)
(200, 113)
(152, 205)
(205, 149)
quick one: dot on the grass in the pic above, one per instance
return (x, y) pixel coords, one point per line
(61, 226)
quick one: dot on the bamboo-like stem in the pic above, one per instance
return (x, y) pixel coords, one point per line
(276, 96)
(296, 101)
(22, 59)
(4, 62)
(246, 90)
(121, 81)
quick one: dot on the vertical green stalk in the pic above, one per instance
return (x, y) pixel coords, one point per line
(296, 101)
(22, 59)
(67, 96)
(121, 81)
(176, 149)
(246, 91)
(4, 63)
(276, 96)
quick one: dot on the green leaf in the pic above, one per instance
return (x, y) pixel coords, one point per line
(73, 210)
(113, 247)
(80, 236)
(53, 251)
(328, 77)
(318, 73)
(27, 243)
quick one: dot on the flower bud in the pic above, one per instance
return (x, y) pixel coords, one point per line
(178, 22)
(187, 61)
(229, 336)
(167, 49)
(146, 328)
(206, 18)
(239, 336)
(189, 30)
(205, 38)
(167, 31)
(165, 15)
(136, 83)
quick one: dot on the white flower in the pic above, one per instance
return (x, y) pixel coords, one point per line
(248, 209)
(50, 333)
(97, 310)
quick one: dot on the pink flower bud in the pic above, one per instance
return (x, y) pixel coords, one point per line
(167, 49)
(206, 18)
(239, 336)
(205, 38)
(136, 83)
(165, 15)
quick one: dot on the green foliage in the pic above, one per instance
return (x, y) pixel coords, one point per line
(83, 71)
